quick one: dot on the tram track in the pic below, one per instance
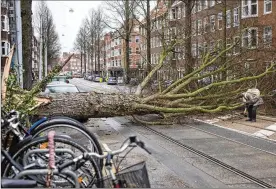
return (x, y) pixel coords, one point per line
(212, 159)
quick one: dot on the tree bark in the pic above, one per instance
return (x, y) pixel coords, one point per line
(128, 35)
(26, 14)
(189, 61)
(148, 38)
(86, 105)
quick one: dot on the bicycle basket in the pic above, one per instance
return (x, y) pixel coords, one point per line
(135, 176)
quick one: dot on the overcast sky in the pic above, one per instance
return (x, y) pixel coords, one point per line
(67, 23)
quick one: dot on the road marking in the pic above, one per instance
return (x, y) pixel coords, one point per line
(266, 133)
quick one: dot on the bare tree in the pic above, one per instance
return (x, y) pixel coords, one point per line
(44, 19)
(121, 18)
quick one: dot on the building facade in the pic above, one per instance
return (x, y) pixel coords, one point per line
(248, 25)
(5, 33)
(74, 65)
(113, 53)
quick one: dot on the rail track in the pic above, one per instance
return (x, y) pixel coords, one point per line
(213, 160)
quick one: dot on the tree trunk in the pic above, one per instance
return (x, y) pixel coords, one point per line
(189, 61)
(86, 105)
(148, 38)
(99, 66)
(81, 60)
(128, 35)
(26, 14)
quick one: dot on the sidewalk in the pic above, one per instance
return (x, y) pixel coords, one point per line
(265, 127)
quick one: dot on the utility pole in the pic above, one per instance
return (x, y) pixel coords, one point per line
(40, 52)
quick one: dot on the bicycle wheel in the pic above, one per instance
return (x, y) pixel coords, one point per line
(79, 134)
(87, 173)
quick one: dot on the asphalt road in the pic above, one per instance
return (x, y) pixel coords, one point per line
(89, 86)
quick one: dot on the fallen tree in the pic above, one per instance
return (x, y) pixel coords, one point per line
(182, 97)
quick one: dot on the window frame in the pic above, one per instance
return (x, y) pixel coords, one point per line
(213, 17)
(265, 4)
(199, 27)
(236, 16)
(249, 5)
(205, 24)
(265, 35)
(219, 18)
(228, 19)
(249, 34)
(212, 3)
(235, 47)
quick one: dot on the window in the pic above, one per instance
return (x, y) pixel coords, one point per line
(205, 48)
(199, 5)
(236, 21)
(194, 50)
(220, 22)
(219, 45)
(236, 48)
(249, 38)
(205, 24)
(228, 45)
(199, 27)
(204, 4)
(194, 29)
(267, 6)
(212, 46)
(5, 23)
(5, 48)
(179, 12)
(268, 36)
(212, 3)
(249, 8)
(212, 23)
(173, 14)
(228, 19)
(199, 50)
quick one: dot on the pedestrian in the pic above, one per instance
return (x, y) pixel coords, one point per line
(252, 100)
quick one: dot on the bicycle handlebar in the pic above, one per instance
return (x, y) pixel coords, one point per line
(127, 143)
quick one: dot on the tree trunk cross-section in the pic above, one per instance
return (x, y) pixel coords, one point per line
(86, 105)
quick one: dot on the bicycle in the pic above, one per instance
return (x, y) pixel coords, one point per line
(58, 123)
(13, 165)
(122, 179)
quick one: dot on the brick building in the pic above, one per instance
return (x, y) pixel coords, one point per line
(74, 65)
(249, 24)
(114, 52)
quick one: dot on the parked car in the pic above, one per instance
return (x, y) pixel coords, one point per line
(112, 81)
(61, 87)
(61, 79)
(90, 78)
(77, 75)
(97, 78)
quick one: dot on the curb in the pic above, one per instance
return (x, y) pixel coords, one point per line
(235, 130)
(267, 118)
